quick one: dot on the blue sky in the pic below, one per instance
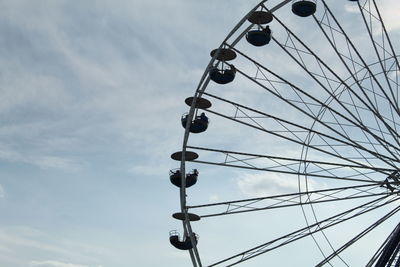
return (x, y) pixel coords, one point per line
(92, 93)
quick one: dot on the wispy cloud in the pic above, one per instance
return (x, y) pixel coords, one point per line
(41, 161)
(214, 198)
(2, 192)
(389, 10)
(50, 263)
(264, 184)
(89, 77)
(20, 238)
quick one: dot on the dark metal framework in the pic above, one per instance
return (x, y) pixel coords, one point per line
(388, 253)
(342, 113)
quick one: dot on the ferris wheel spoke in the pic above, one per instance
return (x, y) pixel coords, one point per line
(358, 124)
(337, 124)
(301, 100)
(390, 45)
(297, 140)
(299, 91)
(376, 95)
(250, 167)
(358, 237)
(292, 200)
(383, 249)
(378, 131)
(356, 117)
(314, 147)
(360, 142)
(384, 171)
(290, 166)
(350, 46)
(306, 231)
(372, 109)
(285, 124)
(379, 39)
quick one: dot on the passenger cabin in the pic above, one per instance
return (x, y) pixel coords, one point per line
(222, 76)
(198, 125)
(259, 36)
(226, 72)
(304, 8)
(182, 244)
(191, 177)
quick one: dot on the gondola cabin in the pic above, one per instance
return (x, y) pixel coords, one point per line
(198, 125)
(182, 244)
(304, 8)
(259, 36)
(175, 177)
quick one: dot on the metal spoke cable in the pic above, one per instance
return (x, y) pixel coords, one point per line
(287, 138)
(358, 54)
(372, 109)
(358, 236)
(385, 171)
(306, 231)
(361, 126)
(289, 200)
(282, 122)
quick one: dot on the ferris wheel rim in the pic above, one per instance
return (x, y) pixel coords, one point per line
(200, 89)
(199, 92)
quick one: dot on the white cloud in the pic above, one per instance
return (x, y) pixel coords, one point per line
(264, 184)
(118, 89)
(27, 241)
(2, 192)
(46, 162)
(214, 198)
(389, 10)
(50, 263)
(351, 7)
(21, 242)
(42, 161)
(150, 170)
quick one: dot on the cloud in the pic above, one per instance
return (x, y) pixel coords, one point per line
(149, 170)
(25, 239)
(214, 198)
(351, 8)
(90, 74)
(23, 243)
(55, 264)
(2, 193)
(42, 161)
(388, 9)
(264, 184)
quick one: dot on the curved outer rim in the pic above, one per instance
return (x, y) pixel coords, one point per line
(199, 91)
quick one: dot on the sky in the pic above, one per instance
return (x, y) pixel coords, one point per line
(92, 94)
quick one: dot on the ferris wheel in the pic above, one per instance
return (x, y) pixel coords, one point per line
(304, 101)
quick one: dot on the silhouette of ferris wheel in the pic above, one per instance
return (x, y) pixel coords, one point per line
(304, 101)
